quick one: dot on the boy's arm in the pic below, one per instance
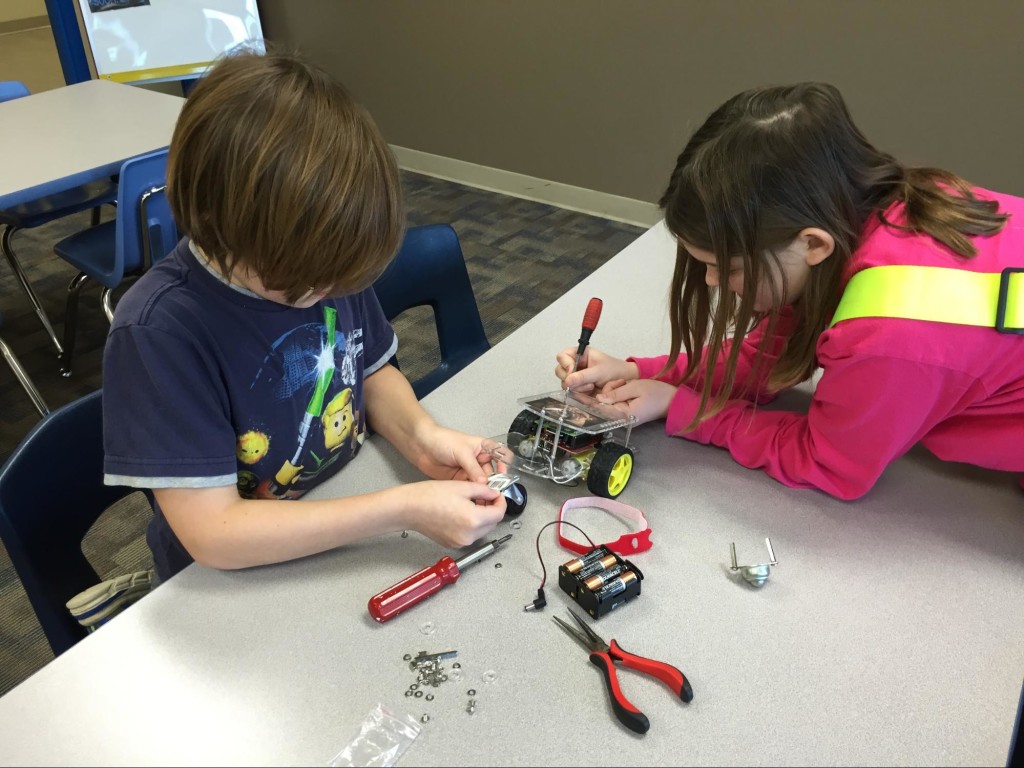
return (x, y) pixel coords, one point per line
(393, 412)
(220, 529)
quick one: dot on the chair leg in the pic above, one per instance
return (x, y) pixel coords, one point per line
(26, 286)
(107, 302)
(23, 377)
(96, 212)
(71, 323)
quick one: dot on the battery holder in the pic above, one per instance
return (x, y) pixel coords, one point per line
(600, 581)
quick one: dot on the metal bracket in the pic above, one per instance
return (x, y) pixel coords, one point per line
(755, 575)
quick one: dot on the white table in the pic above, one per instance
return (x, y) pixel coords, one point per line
(890, 632)
(69, 136)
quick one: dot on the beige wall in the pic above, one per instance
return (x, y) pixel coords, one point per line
(602, 94)
(16, 10)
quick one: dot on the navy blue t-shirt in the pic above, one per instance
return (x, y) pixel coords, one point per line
(207, 385)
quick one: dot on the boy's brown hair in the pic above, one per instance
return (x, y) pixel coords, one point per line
(275, 167)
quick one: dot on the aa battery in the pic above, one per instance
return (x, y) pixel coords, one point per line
(596, 567)
(613, 588)
(598, 580)
(577, 565)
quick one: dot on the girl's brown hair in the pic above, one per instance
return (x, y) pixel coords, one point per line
(273, 166)
(765, 165)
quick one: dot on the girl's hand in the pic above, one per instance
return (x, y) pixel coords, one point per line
(647, 399)
(446, 454)
(595, 371)
(454, 513)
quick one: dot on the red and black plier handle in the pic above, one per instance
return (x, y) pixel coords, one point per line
(629, 715)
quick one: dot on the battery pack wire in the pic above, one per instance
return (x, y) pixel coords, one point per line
(540, 601)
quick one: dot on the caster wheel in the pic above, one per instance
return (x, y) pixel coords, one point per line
(515, 500)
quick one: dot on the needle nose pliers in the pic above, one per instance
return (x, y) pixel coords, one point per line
(604, 655)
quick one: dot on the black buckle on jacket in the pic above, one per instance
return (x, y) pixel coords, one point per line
(1004, 292)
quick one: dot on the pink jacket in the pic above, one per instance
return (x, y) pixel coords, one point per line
(887, 383)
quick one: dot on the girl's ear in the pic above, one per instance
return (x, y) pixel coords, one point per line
(818, 245)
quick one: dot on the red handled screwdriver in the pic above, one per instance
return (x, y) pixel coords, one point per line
(590, 318)
(422, 584)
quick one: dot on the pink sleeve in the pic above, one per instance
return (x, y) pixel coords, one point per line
(651, 366)
(866, 411)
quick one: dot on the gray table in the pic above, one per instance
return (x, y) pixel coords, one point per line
(56, 140)
(890, 633)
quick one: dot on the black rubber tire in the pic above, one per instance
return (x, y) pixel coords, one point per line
(599, 476)
(524, 424)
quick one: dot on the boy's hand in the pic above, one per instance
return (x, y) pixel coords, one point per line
(454, 513)
(596, 369)
(446, 454)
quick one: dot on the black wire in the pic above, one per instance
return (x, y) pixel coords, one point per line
(556, 522)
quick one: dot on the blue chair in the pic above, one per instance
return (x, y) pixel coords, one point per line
(430, 270)
(43, 211)
(142, 232)
(48, 506)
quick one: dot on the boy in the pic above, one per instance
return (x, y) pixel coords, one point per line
(245, 367)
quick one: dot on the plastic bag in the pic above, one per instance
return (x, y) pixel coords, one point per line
(382, 739)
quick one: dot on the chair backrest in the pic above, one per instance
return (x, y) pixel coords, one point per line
(430, 270)
(12, 89)
(146, 231)
(51, 493)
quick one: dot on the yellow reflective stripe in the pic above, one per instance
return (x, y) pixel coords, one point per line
(936, 294)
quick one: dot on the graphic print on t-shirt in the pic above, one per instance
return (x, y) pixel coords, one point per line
(315, 365)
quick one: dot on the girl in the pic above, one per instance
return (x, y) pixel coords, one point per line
(800, 245)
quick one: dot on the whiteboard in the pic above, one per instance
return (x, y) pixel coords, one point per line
(151, 40)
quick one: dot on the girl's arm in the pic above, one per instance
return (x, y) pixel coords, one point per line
(650, 367)
(867, 410)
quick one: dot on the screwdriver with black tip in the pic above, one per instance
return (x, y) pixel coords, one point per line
(416, 588)
(590, 318)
